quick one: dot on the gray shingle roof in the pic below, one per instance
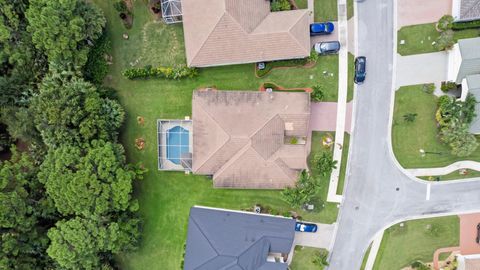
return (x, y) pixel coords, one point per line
(469, 10)
(225, 240)
(470, 58)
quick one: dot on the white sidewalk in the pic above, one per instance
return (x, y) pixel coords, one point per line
(342, 100)
(374, 250)
(467, 164)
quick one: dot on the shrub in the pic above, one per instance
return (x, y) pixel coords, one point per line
(428, 88)
(465, 25)
(313, 56)
(174, 73)
(445, 41)
(447, 86)
(318, 94)
(120, 6)
(271, 85)
(303, 192)
(445, 23)
(444, 101)
(280, 5)
(294, 140)
(324, 163)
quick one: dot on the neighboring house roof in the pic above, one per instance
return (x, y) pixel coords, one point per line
(222, 32)
(470, 57)
(473, 84)
(238, 137)
(231, 240)
(466, 10)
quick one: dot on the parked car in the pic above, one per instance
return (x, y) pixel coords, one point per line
(360, 69)
(478, 234)
(305, 227)
(323, 28)
(329, 47)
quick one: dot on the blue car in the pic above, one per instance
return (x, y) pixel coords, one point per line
(360, 69)
(305, 227)
(321, 28)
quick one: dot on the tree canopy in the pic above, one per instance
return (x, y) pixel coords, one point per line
(69, 110)
(64, 29)
(90, 181)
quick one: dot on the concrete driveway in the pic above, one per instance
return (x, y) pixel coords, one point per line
(323, 116)
(419, 12)
(422, 68)
(320, 239)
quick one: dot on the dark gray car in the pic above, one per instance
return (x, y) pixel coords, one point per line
(329, 47)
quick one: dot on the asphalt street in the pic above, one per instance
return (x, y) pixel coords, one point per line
(378, 192)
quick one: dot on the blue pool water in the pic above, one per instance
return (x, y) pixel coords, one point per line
(177, 143)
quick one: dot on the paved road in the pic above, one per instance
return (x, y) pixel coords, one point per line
(378, 193)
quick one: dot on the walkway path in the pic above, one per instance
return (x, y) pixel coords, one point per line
(374, 250)
(439, 251)
(467, 164)
(342, 99)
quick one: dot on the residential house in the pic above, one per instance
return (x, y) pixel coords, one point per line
(226, 32)
(234, 240)
(250, 139)
(466, 10)
(468, 262)
(464, 69)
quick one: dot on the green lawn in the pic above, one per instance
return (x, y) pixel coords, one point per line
(365, 258)
(409, 138)
(453, 175)
(167, 196)
(418, 38)
(303, 258)
(351, 75)
(302, 4)
(325, 10)
(343, 165)
(350, 10)
(416, 240)
(330, 211)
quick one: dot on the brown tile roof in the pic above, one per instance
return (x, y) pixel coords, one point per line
(238, 137)
(222, 32)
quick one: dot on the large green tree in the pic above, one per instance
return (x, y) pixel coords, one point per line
(69, 110)
(90, 181)
(64, 29)
(85, 243)
(25, 215)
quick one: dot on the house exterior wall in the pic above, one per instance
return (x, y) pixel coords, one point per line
(454, 62)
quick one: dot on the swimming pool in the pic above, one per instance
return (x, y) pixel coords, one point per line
(177, 143)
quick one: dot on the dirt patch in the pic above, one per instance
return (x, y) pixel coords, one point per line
(140, 143)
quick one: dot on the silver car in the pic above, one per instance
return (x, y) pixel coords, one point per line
(330, 47)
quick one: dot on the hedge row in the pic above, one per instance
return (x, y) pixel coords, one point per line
(465, 25)
(161, 72)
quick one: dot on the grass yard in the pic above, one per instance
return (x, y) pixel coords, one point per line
(409, 138)
(418, 38)
(343, 165)
(303, 258)
(351, 75)
(166, 197)
(329, 213)
(416, 240)
(453, 176)
(350, 10)
(365, 258)
(302, 4)
(325, 10)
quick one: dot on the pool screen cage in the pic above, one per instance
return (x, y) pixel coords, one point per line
(174, 138)
(171, 11)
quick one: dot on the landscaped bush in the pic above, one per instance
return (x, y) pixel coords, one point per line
(120, 6)
(280, 5)
(303, 192)
(454, 118)
(445, 23)
(445, 41)
(447, 86)
(318, 94)
(270, 85)
(313, 56)
(465, 25)
(174, 73)
(428, 88)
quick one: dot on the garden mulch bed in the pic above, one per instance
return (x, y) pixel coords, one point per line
(307, 65)
(281, 88)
